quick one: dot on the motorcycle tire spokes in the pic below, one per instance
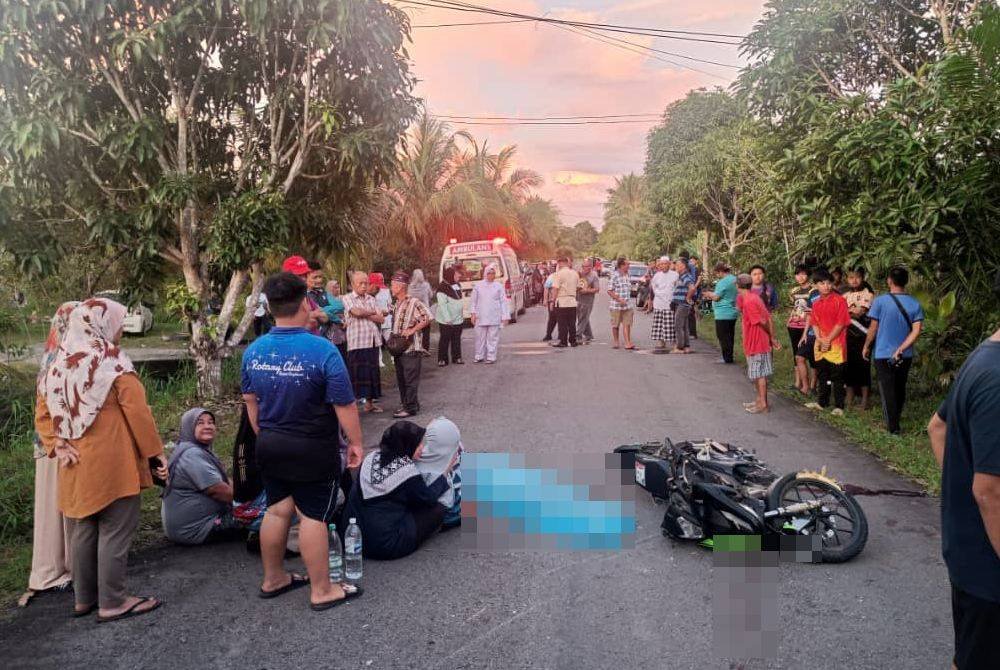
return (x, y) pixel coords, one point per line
(841, 523)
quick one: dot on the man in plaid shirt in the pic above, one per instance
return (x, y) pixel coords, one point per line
(364, 318)
(622, 308)
(410, 317)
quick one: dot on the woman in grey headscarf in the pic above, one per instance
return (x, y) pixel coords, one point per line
(198, 498)
(420, 289)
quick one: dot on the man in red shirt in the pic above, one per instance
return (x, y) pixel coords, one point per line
(829, 319)
(758, 340)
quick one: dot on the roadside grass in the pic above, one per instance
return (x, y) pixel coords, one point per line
(908, 453)
(169, 394)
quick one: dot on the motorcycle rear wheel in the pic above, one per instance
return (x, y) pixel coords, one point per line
(847, 542)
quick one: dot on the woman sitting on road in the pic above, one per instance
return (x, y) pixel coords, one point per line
(395, 505)
(198, 498)
(92, 415)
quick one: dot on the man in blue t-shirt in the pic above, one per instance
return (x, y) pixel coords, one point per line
(723, 299)
(965, 441)
(896, 321)
(299, 398)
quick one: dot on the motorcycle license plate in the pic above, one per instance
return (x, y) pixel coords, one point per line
(640, 473)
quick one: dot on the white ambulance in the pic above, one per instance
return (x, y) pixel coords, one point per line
(475, 256)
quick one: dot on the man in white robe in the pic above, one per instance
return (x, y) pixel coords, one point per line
(490, 310)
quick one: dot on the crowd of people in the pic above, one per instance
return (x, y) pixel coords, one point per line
(315, 362)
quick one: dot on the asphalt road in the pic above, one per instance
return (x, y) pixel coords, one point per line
(446, 607)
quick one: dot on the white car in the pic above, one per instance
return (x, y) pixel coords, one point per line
(138, 320)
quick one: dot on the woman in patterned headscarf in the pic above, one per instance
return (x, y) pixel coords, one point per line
(93, 417)
(50, 549)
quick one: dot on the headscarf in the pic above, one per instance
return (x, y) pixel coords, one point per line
(441, 440)
(186, 441)
(85, 367)
(486, 270)
(392, 464)
(57, 330)
(418, 282)
(447, 285)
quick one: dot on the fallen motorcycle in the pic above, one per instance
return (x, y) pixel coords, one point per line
(711, 488)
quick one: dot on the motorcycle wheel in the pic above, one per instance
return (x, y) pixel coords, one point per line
(847, 541)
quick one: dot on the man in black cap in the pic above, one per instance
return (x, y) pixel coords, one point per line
(409, 318)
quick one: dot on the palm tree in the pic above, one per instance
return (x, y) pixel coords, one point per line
(626, 215)
(433, 196)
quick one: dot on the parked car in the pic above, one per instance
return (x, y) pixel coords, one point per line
(637, 276)
(607, 267)
(138, 320)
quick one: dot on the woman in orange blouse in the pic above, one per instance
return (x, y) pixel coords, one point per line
(92, 415)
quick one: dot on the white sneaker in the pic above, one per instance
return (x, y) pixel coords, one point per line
(813, 405)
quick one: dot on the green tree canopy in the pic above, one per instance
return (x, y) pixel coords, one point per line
(199, 134)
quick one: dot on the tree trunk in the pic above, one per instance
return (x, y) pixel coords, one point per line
(209, 376)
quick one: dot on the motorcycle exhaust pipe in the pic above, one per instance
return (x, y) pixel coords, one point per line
(793, 509)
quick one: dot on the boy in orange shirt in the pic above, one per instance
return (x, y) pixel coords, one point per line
(829, 319)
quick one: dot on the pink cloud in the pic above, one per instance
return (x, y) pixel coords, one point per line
(526, 69)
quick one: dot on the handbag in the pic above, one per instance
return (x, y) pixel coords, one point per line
(397, 344)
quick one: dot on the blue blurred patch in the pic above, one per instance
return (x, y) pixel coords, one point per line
(521, 501)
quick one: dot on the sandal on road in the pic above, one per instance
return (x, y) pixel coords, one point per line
(296, 582)
(351, 592)
(132, 611)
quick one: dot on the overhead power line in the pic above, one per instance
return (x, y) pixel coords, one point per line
(471, 23)
(465, 117)
(684, 35)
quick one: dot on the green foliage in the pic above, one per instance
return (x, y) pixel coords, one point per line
(181, 302)
(863, 134)
(245, 227)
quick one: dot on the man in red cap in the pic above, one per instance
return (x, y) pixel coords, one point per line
(299, 267)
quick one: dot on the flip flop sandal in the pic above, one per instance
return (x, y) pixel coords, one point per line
(374, 409)
(79, 614)
(132, 611)
(297, 582)
(351, 592)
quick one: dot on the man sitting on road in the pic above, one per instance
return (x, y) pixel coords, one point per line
(298, 398)
(758, 340)
(964, 439)
(622, 307)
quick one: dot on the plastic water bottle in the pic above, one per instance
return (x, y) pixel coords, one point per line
(352, 552)
(336, 556)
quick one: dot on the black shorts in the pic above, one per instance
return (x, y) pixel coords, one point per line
(314, 500)
(807, 350)
(977, 628)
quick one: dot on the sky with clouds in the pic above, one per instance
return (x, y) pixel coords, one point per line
(531, 69)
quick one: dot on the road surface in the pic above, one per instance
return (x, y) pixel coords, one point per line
(445, 607)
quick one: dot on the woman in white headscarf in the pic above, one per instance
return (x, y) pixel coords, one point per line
(93, 417)
(490, 310)
(441, 454)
